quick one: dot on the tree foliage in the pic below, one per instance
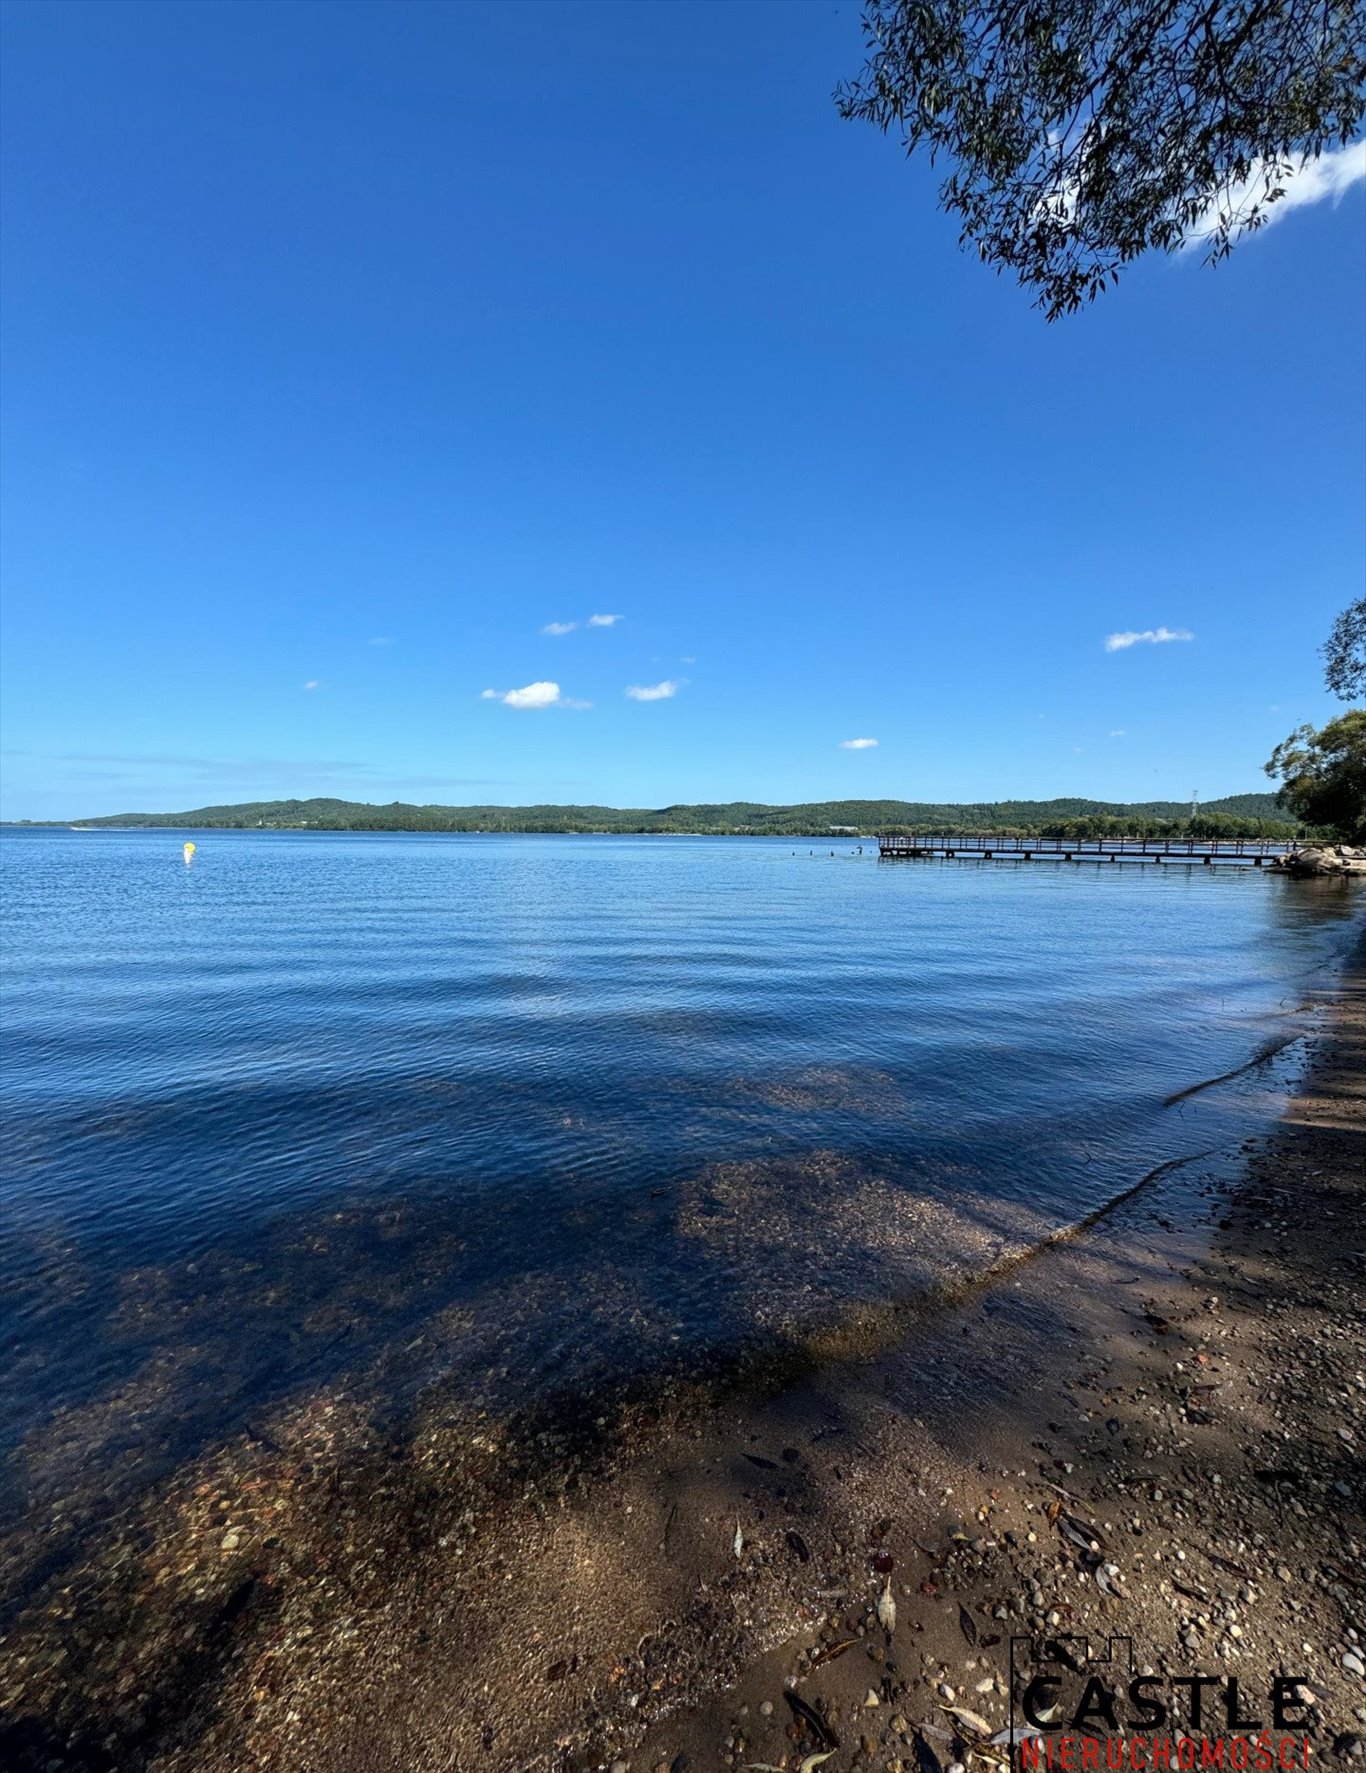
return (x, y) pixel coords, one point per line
(1323, 775)
(1239, 815)
(1083, 132)
(1345, 653)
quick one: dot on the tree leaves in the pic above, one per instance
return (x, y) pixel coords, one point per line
(1344, 653)
(1085, 132)
(1323, 774)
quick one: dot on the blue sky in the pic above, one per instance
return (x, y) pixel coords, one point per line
(347, 347)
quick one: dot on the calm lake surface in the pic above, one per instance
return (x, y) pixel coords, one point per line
(517, 1111)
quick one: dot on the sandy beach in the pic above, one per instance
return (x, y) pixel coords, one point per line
(1153, 1429)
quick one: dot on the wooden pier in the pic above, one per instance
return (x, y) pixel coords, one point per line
(1247, 852)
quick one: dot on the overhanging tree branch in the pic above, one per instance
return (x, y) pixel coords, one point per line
(1085, 132)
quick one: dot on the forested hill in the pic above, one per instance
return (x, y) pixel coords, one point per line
(1246, 814)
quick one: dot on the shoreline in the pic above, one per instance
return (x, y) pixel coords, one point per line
(597, 1609)
(1212, 1421)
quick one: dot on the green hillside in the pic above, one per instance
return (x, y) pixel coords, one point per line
(1251, 815)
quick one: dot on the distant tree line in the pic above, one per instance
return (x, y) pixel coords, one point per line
(1241, 815)
(1203, 827)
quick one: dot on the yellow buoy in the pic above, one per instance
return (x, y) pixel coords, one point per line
(189, 852)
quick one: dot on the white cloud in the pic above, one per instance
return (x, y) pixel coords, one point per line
(858, 744)
(380, 640)
(1328, 178)
(559, 628)
(1119, 732)
(1115, 643)
(603, 621)
(532, 695)
(653, 692)
(688, 659)
(313, 683)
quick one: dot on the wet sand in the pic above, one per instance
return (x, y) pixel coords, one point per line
(635, 1581)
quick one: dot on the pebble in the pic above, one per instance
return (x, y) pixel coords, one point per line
(1354, 1665)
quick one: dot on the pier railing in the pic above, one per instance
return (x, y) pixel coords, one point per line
(990, 847)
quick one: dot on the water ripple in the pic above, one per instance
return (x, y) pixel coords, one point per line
(273, 1110)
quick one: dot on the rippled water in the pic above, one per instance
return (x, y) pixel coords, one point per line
(526, 1108)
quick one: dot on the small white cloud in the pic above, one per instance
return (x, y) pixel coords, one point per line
(858, 744)
(559, 628)
(1328, 178)
(603, 621)
(653, 692)
(1116, 643)
(1119, 732)
(312, 684)
(1076, 751)
(380, 640)
(687, 659)
(532, 695)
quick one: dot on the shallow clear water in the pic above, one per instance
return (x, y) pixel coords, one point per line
(536, 1106)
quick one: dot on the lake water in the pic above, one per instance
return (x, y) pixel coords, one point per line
(514, 1113)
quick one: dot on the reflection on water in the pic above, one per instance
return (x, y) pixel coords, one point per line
(504, 1115)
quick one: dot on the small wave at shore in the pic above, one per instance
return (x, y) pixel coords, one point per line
(746, 1273)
